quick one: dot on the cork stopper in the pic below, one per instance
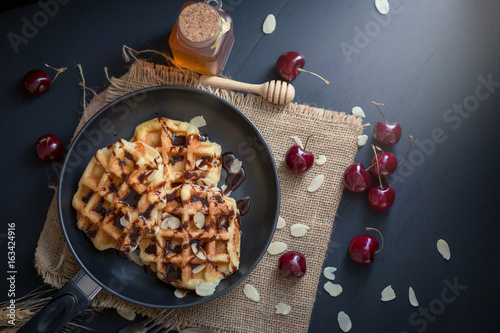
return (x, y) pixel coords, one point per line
(199, 23)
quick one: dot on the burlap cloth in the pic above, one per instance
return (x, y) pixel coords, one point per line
(332, 134)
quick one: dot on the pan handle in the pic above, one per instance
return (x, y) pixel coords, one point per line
(72, 299)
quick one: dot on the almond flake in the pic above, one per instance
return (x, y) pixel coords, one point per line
(276, 248)
(382, 6)
(297, 141)
(199, 220)
(299, 230)
(358, 112)
(316, 183)
(135, 257)
(251, 292)
(124, 220)
(320, 160)
(412, 297)
(444, 249)
(223, 188)
(281, 223)
(282, 308)
(180, 293)
(205, 289)
(333, 289)
(235, 166)
(207, 182)
(328, 273)
(127, 314)
(198, 121)
(362, 139)
(388, 294)
(199, 162)
(199, 268)
(171, 222)
(269, 24)
(344, 321)
(198, 251)
(152, 176)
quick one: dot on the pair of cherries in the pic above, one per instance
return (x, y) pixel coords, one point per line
(37, 82)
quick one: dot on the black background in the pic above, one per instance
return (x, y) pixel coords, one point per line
(421, 60)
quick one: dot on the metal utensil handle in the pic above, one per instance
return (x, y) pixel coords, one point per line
(72, 299)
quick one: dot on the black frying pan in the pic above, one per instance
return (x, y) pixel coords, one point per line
(227, 126)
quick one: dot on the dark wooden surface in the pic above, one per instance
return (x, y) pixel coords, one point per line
(430, 63)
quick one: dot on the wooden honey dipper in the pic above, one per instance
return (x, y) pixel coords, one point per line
(275, 91)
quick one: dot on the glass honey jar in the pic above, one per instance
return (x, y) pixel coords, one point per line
(202, 37)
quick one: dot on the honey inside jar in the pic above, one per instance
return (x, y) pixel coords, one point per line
(202, 37)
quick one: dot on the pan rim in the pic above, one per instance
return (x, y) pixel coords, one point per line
(201, 300)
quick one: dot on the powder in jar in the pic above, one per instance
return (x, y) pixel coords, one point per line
(198, 22)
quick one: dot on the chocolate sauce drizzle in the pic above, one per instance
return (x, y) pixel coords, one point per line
(243, 205)
(233, 180)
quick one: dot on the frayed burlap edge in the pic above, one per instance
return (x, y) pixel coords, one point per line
(143, 74)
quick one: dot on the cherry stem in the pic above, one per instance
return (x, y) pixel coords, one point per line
(411, 141)
(378, 167)
(377, 104)
(305, 71)
(381, 237)
(58, 70)
(307, 140)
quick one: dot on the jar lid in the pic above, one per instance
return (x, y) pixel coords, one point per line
(199, 23)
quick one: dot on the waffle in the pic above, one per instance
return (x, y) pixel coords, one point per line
(157, 193)
(188, 155)
(120, 195)
(188, 250)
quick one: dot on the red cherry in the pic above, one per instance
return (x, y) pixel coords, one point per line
(357, 179)
(299, 160)
(363, 248)
(292, 265)
(386, 133)
(49, 148)
(381, 198)
(36, 82)
(290, 64)
(387, 163)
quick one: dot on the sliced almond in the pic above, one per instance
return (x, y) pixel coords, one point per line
(283, 308)
(127, 314)
(412, 297)
(269, 24)
(171, 222)
(180, 293)
(333, 289)
(198, 121)
(223, 188)
(207, 182)
(199, 220)
(124, 220)
(320, 160)
(235, 166)
(205, 289)
(344, 321)
(388, 294)
(251, 292)
(135, 257)
(297, 141)
(358, 112)
(444, 249)
(203, 167)
(276, 248)
(198, 251)
(152, 176)
(328, 273)
(281, 223)
(362, 140)
(199, 268)
(299, 229)
(382, 6)
(316, 183)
